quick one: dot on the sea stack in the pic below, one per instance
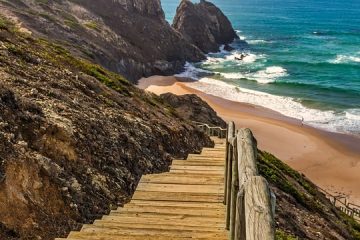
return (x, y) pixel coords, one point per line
(204, 25)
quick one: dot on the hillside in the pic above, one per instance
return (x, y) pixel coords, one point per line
(75, 138)
(302, 212)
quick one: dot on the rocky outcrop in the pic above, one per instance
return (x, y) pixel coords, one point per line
(204, 25)
(193, 108)
(74, 138)
(130, 37)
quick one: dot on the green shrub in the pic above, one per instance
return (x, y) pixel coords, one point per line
(92, 25)
(276, 172)
(281, 235)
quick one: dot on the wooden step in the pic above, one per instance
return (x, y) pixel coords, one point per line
(105, 225)
(179, 188)
(183, 179)
(97, 233)
(184, 203)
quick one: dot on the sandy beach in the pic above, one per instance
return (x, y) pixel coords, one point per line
(330, 160)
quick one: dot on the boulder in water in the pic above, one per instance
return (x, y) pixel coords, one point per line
(204, 25)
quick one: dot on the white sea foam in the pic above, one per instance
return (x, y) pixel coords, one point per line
(238, 32)
(270, 74)
(344, 122)
(243, 57)
(353, 114)
(232, 75)
(257, 41)
(242, 37)
(236, 57)
(192, 72)
(345, 59)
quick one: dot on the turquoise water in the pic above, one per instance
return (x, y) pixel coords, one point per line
(304, 55)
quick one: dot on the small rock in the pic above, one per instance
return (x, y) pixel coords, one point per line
(34, 92)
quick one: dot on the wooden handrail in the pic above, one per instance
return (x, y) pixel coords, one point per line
(249, 201)
(211, 131)
(342, 203)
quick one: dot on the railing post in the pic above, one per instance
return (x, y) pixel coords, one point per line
(228, 185)
(228, 171)
(240, 216)
(234, 192)
(230, 133)
(227, 146)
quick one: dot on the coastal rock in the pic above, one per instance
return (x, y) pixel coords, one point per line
(193, 108)
(204, 25)
(129, 37)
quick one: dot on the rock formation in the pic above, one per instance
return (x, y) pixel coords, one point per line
(204, 25)
(130, 37)
(191, 107)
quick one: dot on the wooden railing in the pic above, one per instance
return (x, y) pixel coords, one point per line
(343, 204)
(212, 131)
(250, 205)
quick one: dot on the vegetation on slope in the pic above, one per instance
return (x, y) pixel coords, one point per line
(302, 212)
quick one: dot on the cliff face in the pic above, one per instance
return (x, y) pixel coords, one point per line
(204, 25)
(130, 37)
(74, 137)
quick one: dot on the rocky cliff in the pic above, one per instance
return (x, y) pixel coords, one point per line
(130, 37)
(191, 107)
(74, 137)
(204, 25)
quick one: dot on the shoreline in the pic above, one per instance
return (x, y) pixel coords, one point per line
(331, 160)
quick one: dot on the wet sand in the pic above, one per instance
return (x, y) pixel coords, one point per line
(330, 160)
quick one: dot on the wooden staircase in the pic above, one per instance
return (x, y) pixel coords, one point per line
(185, 203)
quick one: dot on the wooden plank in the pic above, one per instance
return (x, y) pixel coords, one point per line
(198, 163)
(200, 168)
(94, 233)
(151, 225)
(175, 204)
(206, 157)
(216, 172)
(178, 188)
(171, 210)
(163, 209)
(186, 221)
(132, 237)
(150, 216)
(147, 235)
(190, 197)
(183, 179)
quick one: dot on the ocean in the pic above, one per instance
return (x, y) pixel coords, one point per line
(302, 59)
